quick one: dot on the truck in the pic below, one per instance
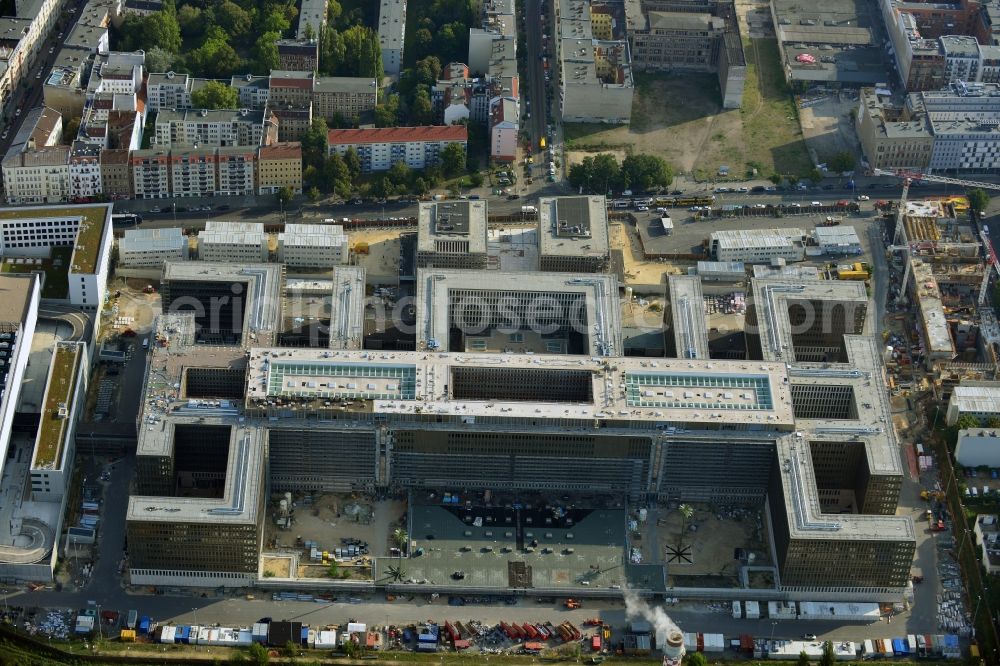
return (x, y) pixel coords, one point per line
(541, 143)
(595, 643)
(529, 210)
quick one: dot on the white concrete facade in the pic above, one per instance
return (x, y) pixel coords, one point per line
(313, 246)
(239, 242)
(149, 248)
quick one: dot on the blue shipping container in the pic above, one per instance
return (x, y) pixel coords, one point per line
(144, 623)
(899, 646)
(183, 634)
(305, 636)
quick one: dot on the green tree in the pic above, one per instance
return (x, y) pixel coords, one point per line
(285, 195)
(400, 538)
(399, 172)
(265, 53)
(159, 59)
(687, 512)
(475, 179)
(70, 130)
(314, 143)
(842, 162)
(775, 178)
(978, 200)
(646, 172)
(696, 659)
(191, 23)
(381, 188)
(803, 659)
(453, 159)
(215, 57)
(387, 113)
(827, 659)
(333, 52)
(606, 173)
(793, 180)
(276, 21)
(353, 163)
(291, 649)
(215, 95)
(816, 176)
(420, 186)
(336, 172)
(146, 32)
(233, 19)
(993, 422)
(333, 11)
(258, 654)
(313, 194)
(966, 421)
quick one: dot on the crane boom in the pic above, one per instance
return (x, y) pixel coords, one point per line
(916, 175)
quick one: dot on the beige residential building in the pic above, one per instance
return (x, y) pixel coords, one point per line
(891, 140)
(116, 177)
(278, 166)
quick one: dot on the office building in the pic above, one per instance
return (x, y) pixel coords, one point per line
(452, 234)
(758, 246)
(65, 395)
(313, 246)
(890, 140)
(573, 234)
(702, 37)
(234, 242)
(380, 148)
(151, 248)
(978, 447)
(684, 318)
(980, 400)
(33, 231)
(392, 34)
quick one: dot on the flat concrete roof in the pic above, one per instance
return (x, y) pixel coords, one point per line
(928, 293)
(241, 499)
(595, 310)
(264, 282)
(978, 398)
(736, 393)
(573, 226)
(15, 298)
(347, 307)
(756, 238)
(687, 316)
(443, 221)
(145, 240)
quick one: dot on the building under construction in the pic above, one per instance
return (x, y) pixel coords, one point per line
(763, 432)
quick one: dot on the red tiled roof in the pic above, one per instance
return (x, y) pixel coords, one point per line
(398, 134)
(282, 151)
(304, 84)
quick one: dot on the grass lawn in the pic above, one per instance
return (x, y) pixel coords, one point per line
(56, 272)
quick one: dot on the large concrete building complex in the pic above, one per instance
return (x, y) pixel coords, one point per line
(518, 383)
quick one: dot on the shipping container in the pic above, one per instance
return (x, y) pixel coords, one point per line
(144, 624)
(127, 636)
(595, 643)
(132, 619)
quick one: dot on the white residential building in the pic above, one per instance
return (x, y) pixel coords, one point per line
(168, 91)
(503, 129)
(149, 248)
(216, 128)
(239, 242)
(313, 246)
(85, 171)
(380, 148)
(391, 34)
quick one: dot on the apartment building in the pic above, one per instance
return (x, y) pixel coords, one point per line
(392, 34)
(193, 172)
(36, 167)
(253, 90)
(299, 54)
(348, 97)
(116, 174)
(218, 128)
(279, 165)
(293, 122)
(151, 248)
(312, 19)
(21, 46)
(504, 128)
(313, 246)
(380, 148)
(85, 171)
(168, 90)
(237, 169)
(573, 234)
(150, 173)
(236, 242)
(887, 140)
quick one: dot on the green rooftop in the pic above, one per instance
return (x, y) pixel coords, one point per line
(87, 248)
(52, 426)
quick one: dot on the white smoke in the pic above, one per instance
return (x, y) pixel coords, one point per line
(637, 608)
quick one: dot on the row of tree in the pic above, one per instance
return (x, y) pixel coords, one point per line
(599, 174)
(354, 51)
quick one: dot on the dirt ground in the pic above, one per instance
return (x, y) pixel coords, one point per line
(382, 260)
(637, 269)
(709, 550)
(279, 567)
(134, 306)
(828, 125)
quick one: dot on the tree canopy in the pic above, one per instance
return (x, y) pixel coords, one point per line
(978, 199)
(842, 162)
(601, 173)
(215, 95)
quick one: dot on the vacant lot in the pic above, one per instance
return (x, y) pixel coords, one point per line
(679, 117)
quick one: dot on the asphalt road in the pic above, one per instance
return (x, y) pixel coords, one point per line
(536, 16)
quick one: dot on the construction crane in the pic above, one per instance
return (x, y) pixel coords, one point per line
(908, 177)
